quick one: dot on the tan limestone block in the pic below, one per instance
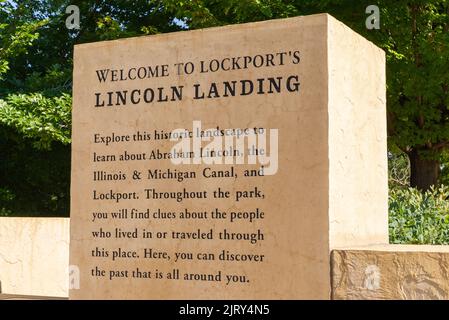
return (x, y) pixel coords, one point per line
(391, 272)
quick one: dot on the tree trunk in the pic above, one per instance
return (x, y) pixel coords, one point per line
(424, 172)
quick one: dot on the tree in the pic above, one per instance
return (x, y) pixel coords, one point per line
(209, 13)
(35, 91)
(30, 124)
(415, 36)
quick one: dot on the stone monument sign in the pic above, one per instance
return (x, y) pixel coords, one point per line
(226, 163)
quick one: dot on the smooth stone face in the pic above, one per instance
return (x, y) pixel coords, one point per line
(34, 256)
(395, 272)
(144, 227)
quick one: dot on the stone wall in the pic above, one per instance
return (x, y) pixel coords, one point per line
(391, 272)
(34, 256)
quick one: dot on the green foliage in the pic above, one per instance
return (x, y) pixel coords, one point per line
(43, 120)
(208, 13)
(15, 39)
(419, 218)
(36, 66)
(415, 217)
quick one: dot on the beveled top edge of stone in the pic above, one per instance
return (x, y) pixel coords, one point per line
(396, 248)
(323, 16)
(333, 21)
